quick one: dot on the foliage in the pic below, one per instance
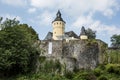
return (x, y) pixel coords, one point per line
(90, 33)
(17, 54)
(115, 39)
(113, 56)
(91, 42)
(50, 66)
(113, 68)
(102, 78)
(8, 23)
(68, 74)
(97, 72)
(84, 75)
(80, 75)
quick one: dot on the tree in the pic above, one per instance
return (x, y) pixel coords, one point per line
(115, 39)
(8, 22)
(17, 53)
(90, 33)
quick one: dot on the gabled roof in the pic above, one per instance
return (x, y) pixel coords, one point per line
(49, 36)
(71, 34)
(68, 34)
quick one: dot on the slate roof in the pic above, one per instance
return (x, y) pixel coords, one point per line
(68, 34)
(83, 32)
(71, 34)
(58, 17)
(49, 36)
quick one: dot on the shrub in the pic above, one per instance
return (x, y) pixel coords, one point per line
(113, 68)
(102, 78)
(69, 74)
(110, 68)
(117, 69)
(85, 76)
(97, 72)
(101, 66)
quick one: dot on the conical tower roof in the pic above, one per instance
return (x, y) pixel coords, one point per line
(58, 17)
(83, 32)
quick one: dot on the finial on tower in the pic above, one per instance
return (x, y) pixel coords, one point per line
(58, 13)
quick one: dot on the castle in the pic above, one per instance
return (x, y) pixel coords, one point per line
(70, 49)
(59, 31)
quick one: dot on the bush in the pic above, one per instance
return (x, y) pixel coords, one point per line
(50, 66)
(110, 68)
(117, 69)
(101, 66)
(113, 68)
(85, 76)
(69, 74)
(97, 72)
(102, 78)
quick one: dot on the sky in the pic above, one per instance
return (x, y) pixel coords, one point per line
(102, 16)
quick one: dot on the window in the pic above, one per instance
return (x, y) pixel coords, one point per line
(50, 48)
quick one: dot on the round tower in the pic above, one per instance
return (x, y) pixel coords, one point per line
(58, 27)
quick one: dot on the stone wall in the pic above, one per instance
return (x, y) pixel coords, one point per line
(74, 53)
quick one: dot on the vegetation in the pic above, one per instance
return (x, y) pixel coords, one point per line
(105, 73)
(115, 39)
(17, 54)
(90, 33)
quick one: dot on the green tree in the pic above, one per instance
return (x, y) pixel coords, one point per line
(115, 39)
(90, 33)
(8, 22)
(17, 53)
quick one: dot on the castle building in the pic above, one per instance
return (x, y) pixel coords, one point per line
(59, 31)
(58, 27)
(72, 50)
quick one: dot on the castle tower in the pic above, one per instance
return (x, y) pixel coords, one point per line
(58, 27)
(83, 34)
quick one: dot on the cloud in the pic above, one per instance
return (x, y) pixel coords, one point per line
(44, 19)
(15, 2)
(43, 3)
(97, 25)
(105, 7)
(104, 31)
(31, 10)
(83, 21)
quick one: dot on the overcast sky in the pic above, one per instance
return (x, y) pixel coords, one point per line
(102, 16)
